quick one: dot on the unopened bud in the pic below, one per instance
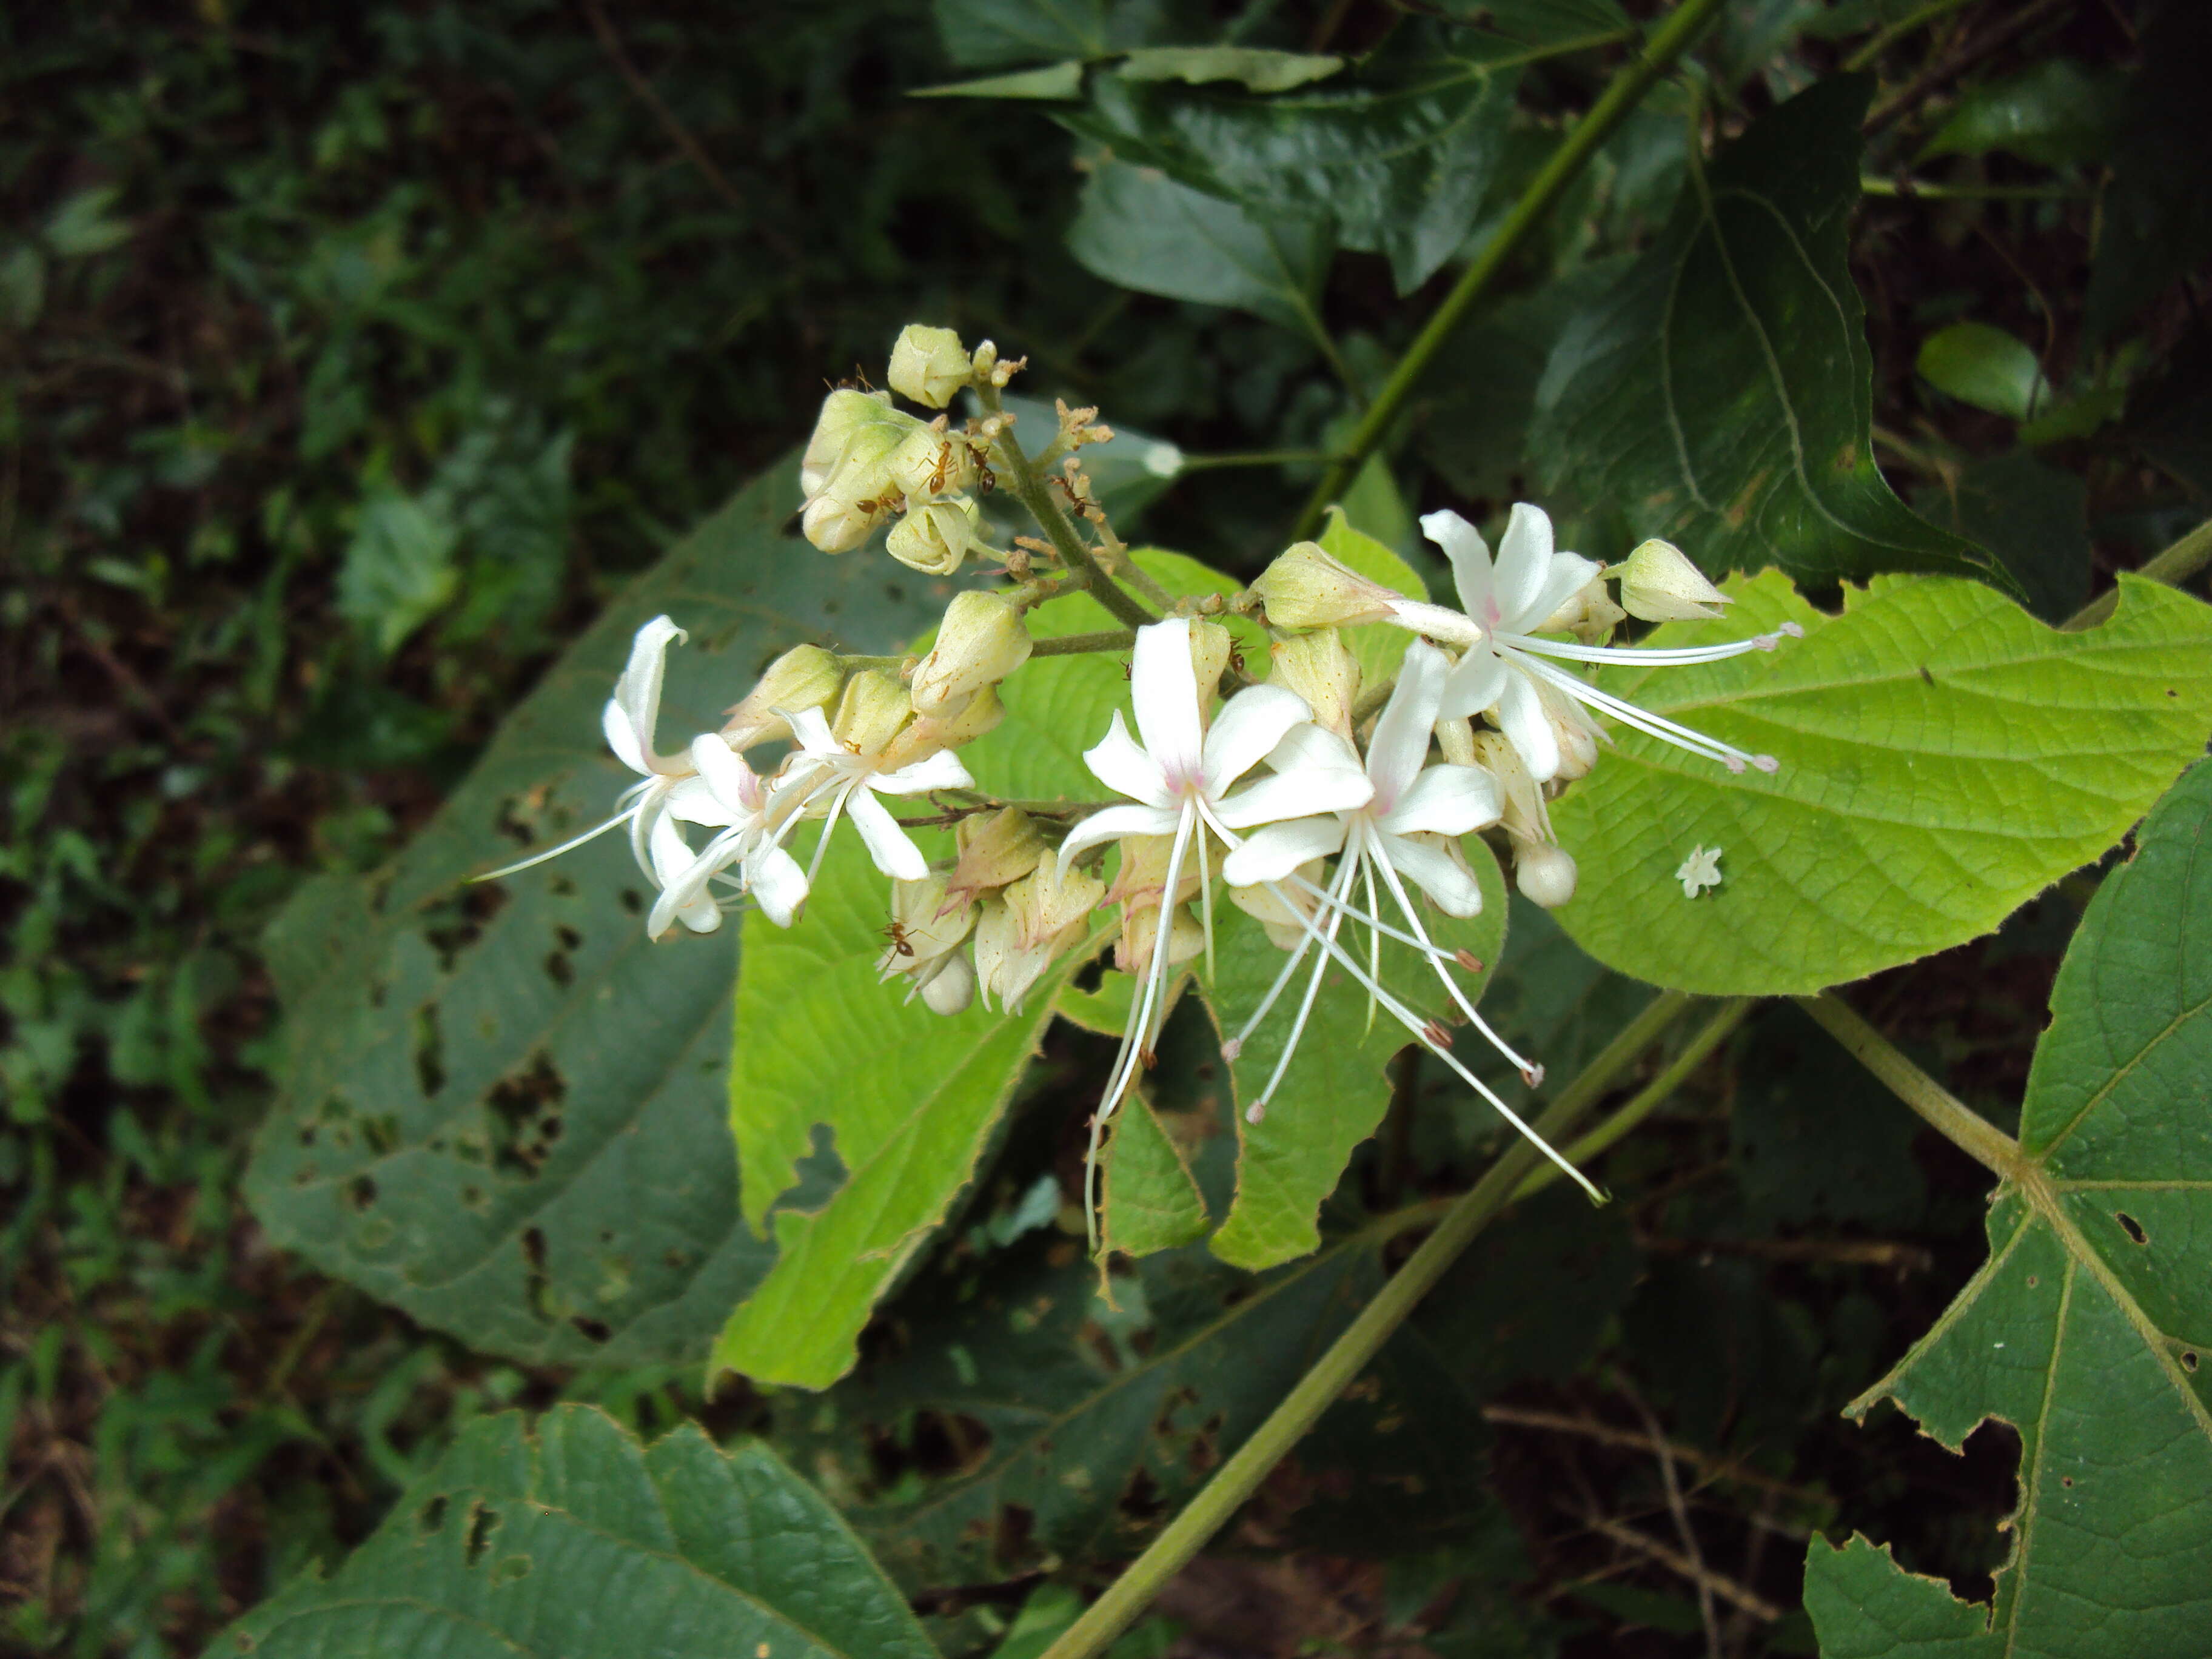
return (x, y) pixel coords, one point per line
(1658, 584)
(934, 539)
(977, 718)
(929, 365)
(1032, 922)
(845, 477)
(994, 852)
(1574, 732)
(1319, 668)
(874, 709)
(1545, 874)
(1304, 587)
(1455, 736)
(805, 676)
(836, 523)
(1524, 814)
(924, 929)
(932, 463)
(1590, 614)
(981, 639)
(951, 988)
(1210, 645)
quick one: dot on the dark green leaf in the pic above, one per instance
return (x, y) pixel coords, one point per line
(2030, 514)
(1721, 396)
(987, 33)
(1401, 168)
(1140, 228)
(1812, 1142)
(500, 1109)
(2086, 1329)
(1053, 80)
(2157, 215)
(1984, 366)
(1151, 1203)
(571, 1540)
(2056, 112)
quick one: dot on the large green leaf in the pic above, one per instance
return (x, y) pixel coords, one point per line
(1944, 758)
(831, 1063)
(987, 33)
(2089, 1327)
(1401, 163)
(504, 1116)
(1139, 228)
(571, 1540)
(1721, 396)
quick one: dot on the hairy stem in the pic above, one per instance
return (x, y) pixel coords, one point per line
(1030, 490)
(1069, 645)
(1236, 1480)
(1620, 99)
(1949, 1115)
(2175, 566)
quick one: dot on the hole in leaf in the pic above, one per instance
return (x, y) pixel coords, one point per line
(483, 1524)
(559, 970)
(433, 1514)
(361, 1192)
(633, 901)
(461, 922)
(561, 887)
(594, 1330)
(472, 1197)
(429, 1050)
(533, 1248)
(569, 938)
(2132, 1227)
(524, 1120)
(2189, 1359)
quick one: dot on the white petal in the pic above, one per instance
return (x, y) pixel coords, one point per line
(1309, 745)
(941, 770)
(693, 801)
(702, 915)
(1470, 562)
(1114, 822)
(623, 738)
(1435, 873)
(890, 846)
(733, 782)
(1271, 853)
(1473, 685)
(777, 884)
(1447, 800)
(1117, 762)
(638, 690)
(1296, 795)
(1524, 560)
(1250, 725)
(1401, 739)
(1164, 687)
(1521, 717)
(813, 732)
(1569, 574)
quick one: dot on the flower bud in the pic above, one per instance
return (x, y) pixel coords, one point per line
(805, 676)
(934, 539)
(980, 716)
(932, 463)
(1523, 813)
(1590, 614)
(1659, 584)
(1210, 645)
(874, 709)
(1030, 924)
(1318, 668)
(845, 477)
(1140, 929)
(1304, 587)
(951, 988)
(981, 639)
(925, 929)
(1576, 733)
(836, 523)
(993, 852)
(1455, 736)
(1544, 873)
(929, 365)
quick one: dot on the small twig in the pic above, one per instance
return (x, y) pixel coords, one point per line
(1847, 1252)
(1706, 1580)
(1680, 1511)
(1712, 1468)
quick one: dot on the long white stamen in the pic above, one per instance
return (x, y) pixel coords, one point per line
(1529, 1069)
(593, 834)
(829, 824)
(1650, 724)
(1398, 1012)
(1661, 657)
(1258, 1109)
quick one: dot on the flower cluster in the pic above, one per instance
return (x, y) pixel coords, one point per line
(1323, 806)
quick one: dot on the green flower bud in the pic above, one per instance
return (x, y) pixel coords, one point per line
(1210, 645)
(981, 639)
(929, 365)
(1659, 584)
(932, 463)
(1318, 668)
(805, 676)
(874, 709)
(994, 852)
(934, 539)
(846, 476)
(1304, 587)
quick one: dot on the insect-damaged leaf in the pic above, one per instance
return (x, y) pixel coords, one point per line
(500, 1107)
(570, 1538)
(1944, 758)
(2087, 1327)
(1721, 395)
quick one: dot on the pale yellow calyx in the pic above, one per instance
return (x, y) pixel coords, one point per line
(805, 676)
(1542, 869)
(934, 539)
(1590, 614)
(1028, 926)
(978, 717)
(932, 463)
(845, 477)
(1320, 669)
(1304, 587)
(1209, 646)
(1279, 906)
(925, 926)
(994, 852)
(981, 639)
(1576, 733)
(1455, 738)
(874, 710)
(1659, 584)
(929, 365)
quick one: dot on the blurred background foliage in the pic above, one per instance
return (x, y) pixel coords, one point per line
(354, 355)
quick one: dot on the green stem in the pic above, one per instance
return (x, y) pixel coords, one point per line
(1951, 1117)
(1236, 1480)
(1672, 38)
(1908, 190)
(1647, 1099)
(2173, 566)
(1069, 645)
(1865, 56)
(1029, 490)
(1263, 457)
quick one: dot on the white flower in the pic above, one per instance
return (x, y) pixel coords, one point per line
(838, 782)
(1408, 830)
(1507, 604)
(753, 816)
(1178, 780)
(1701, 870)
(628, 721)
